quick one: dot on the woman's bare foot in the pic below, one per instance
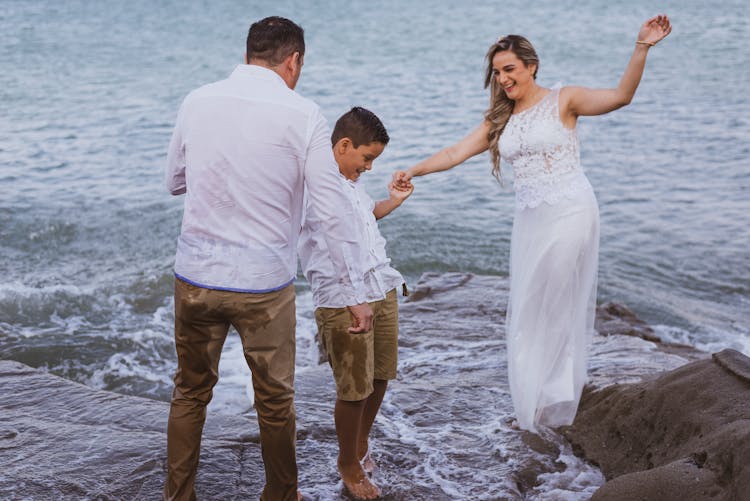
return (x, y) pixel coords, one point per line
(357, 483)
(512, 423)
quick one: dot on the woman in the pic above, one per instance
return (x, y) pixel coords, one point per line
(555, 239)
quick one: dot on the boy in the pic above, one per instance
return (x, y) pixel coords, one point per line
(362, 363)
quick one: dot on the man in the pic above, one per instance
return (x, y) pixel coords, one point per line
(244, 151)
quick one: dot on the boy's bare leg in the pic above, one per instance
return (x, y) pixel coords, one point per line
(348, 418)
(372, 406)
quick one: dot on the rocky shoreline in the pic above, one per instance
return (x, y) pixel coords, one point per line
(661, 421)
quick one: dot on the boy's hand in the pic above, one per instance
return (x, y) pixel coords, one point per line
(398, 195)
(361, 318)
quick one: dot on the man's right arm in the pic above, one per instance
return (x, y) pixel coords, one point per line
(175, 174)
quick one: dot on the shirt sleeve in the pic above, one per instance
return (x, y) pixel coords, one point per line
(325, 193)
(175, 174)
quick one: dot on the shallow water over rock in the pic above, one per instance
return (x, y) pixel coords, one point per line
(444, 431)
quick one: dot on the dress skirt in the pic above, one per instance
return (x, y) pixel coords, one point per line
(553, 276)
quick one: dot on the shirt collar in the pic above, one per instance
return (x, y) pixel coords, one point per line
(348, 181)
(255, 71)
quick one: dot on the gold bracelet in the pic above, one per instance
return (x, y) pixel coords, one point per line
(643, 42)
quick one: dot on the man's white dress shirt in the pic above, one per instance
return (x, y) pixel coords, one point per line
(317, 263)
(245, 151)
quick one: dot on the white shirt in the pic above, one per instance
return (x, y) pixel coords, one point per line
(379, 277)
(245, 151)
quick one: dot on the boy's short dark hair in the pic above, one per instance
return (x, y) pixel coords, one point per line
(273, 39)
(361, 126)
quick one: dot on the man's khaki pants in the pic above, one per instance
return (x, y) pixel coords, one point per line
(266, 324)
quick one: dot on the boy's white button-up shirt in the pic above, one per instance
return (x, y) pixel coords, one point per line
(246, 151)
(379, 277)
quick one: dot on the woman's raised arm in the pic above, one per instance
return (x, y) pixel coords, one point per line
(581, 101)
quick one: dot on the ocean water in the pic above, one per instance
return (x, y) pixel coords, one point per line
(89, 95)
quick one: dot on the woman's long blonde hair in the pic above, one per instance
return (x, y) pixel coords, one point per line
(500, 106)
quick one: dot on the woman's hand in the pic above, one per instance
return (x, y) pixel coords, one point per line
(655, 29)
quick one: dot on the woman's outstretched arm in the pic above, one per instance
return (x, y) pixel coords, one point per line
(580, 101)
(473, 144)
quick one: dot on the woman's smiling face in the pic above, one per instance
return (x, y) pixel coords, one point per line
(512, 75)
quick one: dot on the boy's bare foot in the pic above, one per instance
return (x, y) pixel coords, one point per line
(357, 483)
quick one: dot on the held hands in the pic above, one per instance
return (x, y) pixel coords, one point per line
(402, 182)
(654, 30)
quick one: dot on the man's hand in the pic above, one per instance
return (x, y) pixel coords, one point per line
(361, 318)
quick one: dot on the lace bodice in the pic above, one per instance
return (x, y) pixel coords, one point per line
(544, 154)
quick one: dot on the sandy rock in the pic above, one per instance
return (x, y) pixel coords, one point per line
(682, 435)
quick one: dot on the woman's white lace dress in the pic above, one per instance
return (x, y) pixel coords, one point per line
(553, 266)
